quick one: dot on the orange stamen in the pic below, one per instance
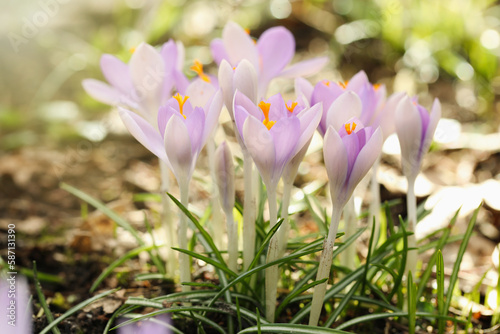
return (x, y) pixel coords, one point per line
(376, 87)
(350, 128)
(343, 84)
(326, 83)
(181, 100)
(198, 68)
(247, 31)
(265, 109)
(292, 107)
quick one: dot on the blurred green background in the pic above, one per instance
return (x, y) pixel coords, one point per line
(447, 49)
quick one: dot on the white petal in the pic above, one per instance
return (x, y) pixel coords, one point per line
(239, 45)
(148, 72)
(346, 106)
(434, 119)
(335, 157)
(101, 91)
(260, 145)
(309, 121)
(304, 68)
(409, 131)
(245, 80)
(303, 90)
(178, 148)
(212, 116)
(225, 77)
(199, 92)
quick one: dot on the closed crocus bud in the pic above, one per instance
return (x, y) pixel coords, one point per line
(224, 170)
(415, 128)
(349, 154)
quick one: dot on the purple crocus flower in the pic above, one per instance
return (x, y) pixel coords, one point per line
(349, 153)
(273, 132)
(144, 83)
(372, 96)
(156, 325)
(415, 128)
(14, 297)
(182, 131)
(270, 55)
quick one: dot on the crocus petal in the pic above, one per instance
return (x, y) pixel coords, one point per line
(178, 149)
(386, 117)
(226, 74)
(101, 91)
(431, 129)
(409, 130)
(224, 170)
(276, 48)
(345, 107)
(218, 51)
(200, 92)
(116, 73)
(365, 160)
(195, 125)
(239, 45)
(352, 148)
(335, 157)
(304, 68)
(285, 139)
(358, 81)
(309, 120)
(242, 100)
(148, 71)
(169, 54)
(303, 91)
(292, 167)
(259, 143)
(144, 132)
(240, 116)
(245, 80)
(212, 113)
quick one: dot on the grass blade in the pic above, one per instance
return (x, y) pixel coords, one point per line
(412, 304)
(75, 309)
(440, 289)
(290, 329)
(295, 293)
(43, 302)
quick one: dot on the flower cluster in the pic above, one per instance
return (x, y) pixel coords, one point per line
(174, 118)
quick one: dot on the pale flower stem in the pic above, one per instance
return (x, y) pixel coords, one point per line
(285, 226)
(411, 203)
(325, 263)
(171, 263)
(185, 266)
(272, 273)
(217, 221)
(375, 203)
(348, 255)
(248, 212)
(232, 240)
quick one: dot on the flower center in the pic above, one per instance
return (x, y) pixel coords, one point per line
(376, 87)
(181, 100)
(326, 83)
(198, 68)
(343, 84)
(350, 127)
(265, 110)
(291, 107)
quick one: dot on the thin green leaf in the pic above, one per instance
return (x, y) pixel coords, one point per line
(460, 255)
(104, 209)
(154, 255)
(129, 255)
(402, 268)
(75, 309)
(343, 303)
(412, 304)
(289, 329)
(264, 243)
(295, 293)
(440, 289)
(43, 302)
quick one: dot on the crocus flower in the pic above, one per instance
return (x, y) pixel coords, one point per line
(349, 153)
(372, 96)
(14, 297)
(181, 133)
(415, 128)
(270, 55)
(156, 325)
(274, 132)
(144, 83)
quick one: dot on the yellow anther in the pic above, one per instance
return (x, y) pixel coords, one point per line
(292, 107)
(247, 31)
(350, 128)
(131, 50)
(376, 86)
(265, 109)
(181, 100)
(198, 68)
(326, 83)
(343, 84)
